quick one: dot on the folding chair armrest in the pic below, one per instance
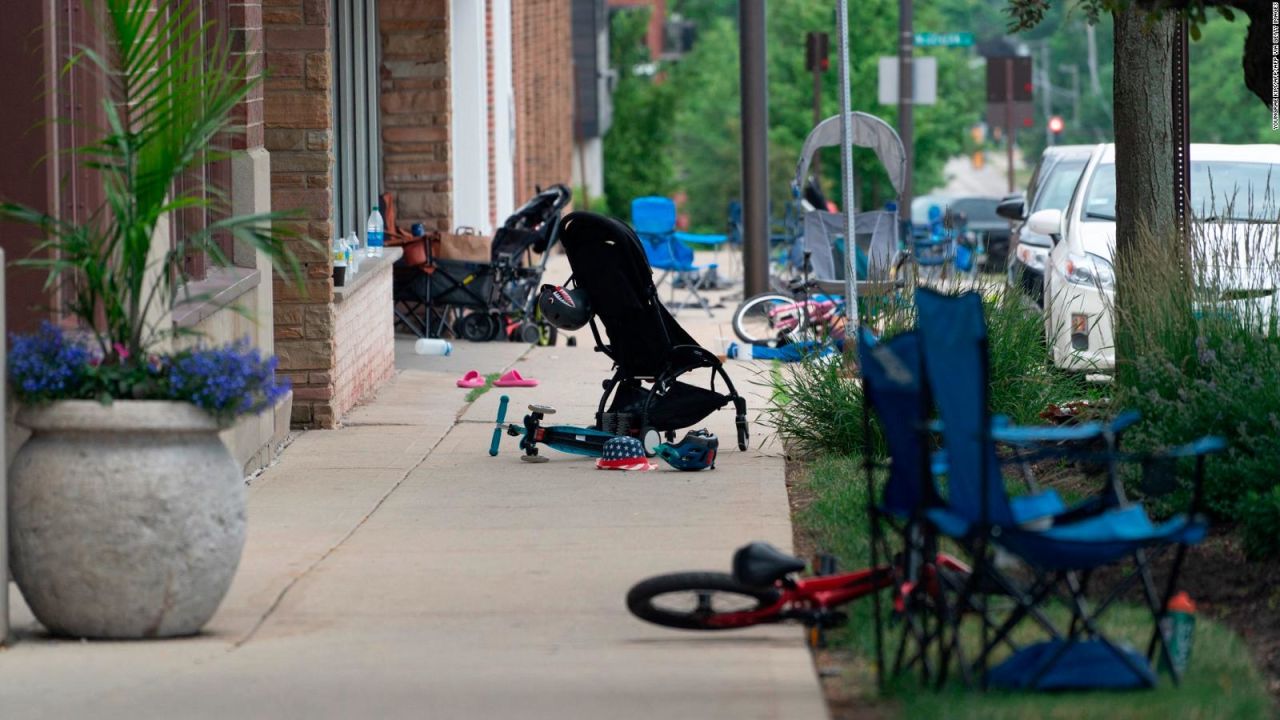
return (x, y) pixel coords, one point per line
(1200, 447)
(1004, 431)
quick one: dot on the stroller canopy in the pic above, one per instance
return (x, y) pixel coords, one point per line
(869, 131)
(609, 263)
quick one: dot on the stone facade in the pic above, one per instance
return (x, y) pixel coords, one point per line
(298, 133)
(415, 109)
(542, 43)
(418, 152)
(363, 337)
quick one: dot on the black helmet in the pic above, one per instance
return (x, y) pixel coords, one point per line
(566, 308)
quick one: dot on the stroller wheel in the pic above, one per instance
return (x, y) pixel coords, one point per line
(547, 334)
(499, 322)
(526, 332)
(477, 327)
(650, 439)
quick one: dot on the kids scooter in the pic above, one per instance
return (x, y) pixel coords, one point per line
(565, 438)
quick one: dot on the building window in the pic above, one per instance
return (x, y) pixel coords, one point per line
(357, 150)
(211, 180)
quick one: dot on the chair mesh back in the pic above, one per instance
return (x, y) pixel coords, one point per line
(656, 215)
(954, 340)
(874, 232)
(892, 380)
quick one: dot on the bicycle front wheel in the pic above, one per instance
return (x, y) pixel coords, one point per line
(700, 601)
(768, 317)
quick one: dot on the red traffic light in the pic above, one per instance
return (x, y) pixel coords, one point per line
(1055, 124)
(1026, 122)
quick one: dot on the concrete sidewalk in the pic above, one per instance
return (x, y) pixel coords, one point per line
(395, 570)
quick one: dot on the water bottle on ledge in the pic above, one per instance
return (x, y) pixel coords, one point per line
(432, 346)
(339, 262)
(375, 229)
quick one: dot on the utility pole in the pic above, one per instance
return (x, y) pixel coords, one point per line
(1075, 94)
(1046, 91)
(755, 147)
(816, 62)
(1009, 130)
(846, 167)
(906, 97)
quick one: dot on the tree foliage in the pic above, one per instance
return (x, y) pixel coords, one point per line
(637, 149)
(707, 133)
(1255, 54)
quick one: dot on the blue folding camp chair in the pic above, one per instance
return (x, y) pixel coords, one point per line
(892, 374)
(654, 220)
(1063, 550)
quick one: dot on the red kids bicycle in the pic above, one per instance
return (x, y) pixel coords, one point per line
(763, 589)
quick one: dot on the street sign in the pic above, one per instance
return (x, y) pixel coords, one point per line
(951, 39)
(924, 80)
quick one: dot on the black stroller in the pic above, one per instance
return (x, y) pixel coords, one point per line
(645, 343)
(482, 301)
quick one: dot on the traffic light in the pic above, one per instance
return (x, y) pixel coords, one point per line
(815, 52)
(998, 81)
(1055, 125)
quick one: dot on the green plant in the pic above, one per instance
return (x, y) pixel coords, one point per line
(1260, 523)
(1207, 366)
(818, 405)
(1023, 380)
(170, 94)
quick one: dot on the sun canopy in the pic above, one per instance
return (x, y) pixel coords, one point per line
(870, 132)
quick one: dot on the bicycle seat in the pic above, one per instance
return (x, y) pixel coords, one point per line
(762, 564)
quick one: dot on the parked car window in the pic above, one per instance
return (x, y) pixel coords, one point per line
(1229, 190)
(1056, 191)
(978, 210)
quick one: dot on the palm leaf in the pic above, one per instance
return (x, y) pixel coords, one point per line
(171, 93)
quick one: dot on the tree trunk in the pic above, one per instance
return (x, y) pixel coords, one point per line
(1143, 127)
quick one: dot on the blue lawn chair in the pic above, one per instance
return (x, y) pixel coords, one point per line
(1061, 549)
(654, 220)
(893, 383)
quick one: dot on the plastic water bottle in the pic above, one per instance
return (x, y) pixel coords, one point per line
(353, 245)
(375, 229)
(1181, 629)
(432, 346)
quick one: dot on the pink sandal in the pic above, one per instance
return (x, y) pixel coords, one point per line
(473, 379)
(512, 378)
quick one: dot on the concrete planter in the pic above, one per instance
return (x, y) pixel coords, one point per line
(127, 520)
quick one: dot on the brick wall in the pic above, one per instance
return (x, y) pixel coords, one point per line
(298, 117)
(364, 340)
(246, 42)
(542, 46)
(415, 109)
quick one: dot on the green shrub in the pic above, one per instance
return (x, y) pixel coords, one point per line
(1023, 380)
(1195, 360)
(1260, 524)
(818, 404)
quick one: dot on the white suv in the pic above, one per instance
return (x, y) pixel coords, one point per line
(1079, 282)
